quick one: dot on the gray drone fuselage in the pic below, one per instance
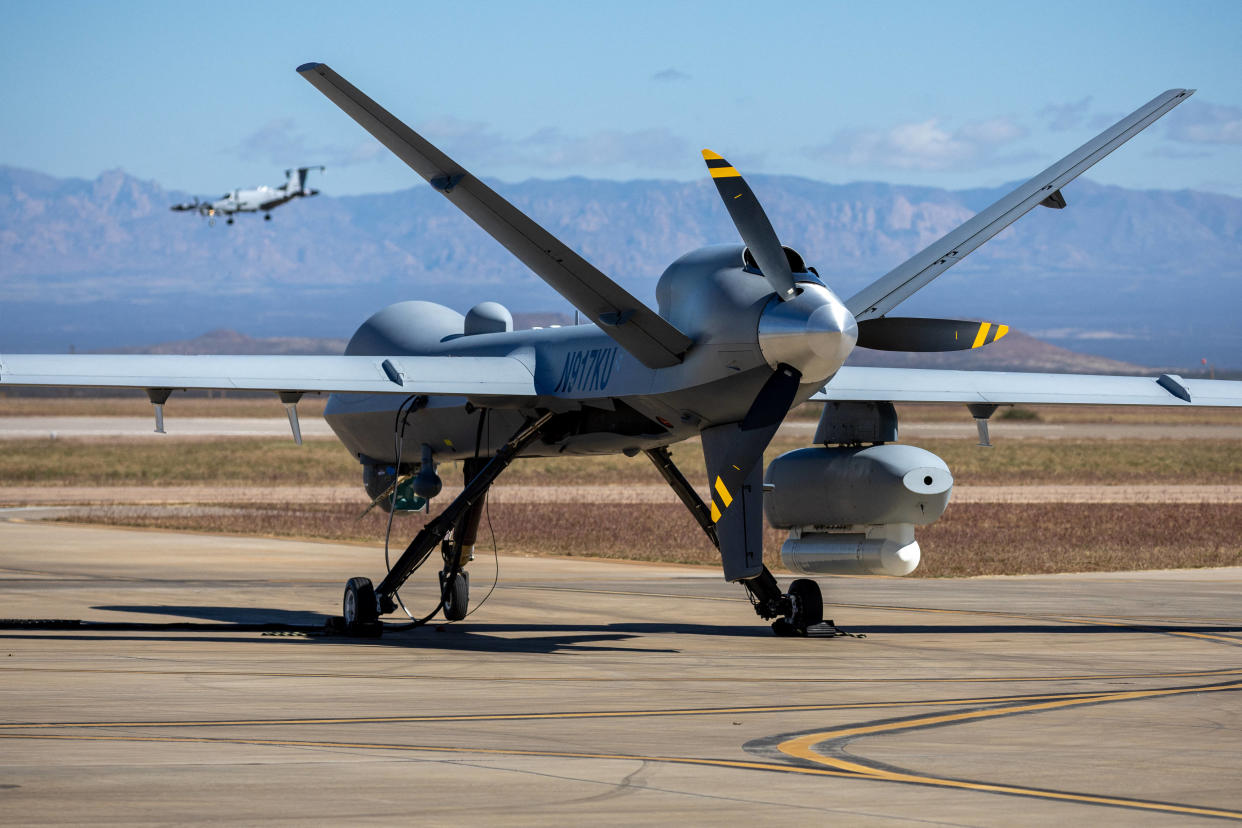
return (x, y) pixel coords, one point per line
(616, 404)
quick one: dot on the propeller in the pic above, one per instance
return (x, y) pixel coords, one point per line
(752, 225)
(898, 333)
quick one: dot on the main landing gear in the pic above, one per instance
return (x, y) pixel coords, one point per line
(798, 612)
(364, 604)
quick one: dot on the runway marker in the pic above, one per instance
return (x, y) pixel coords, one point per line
(804, 748)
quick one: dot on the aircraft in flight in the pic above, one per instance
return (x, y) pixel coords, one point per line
(260, 199)
(741, 334)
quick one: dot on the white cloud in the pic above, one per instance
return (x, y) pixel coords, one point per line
(670, 75)
(925, 145)
(549, 148)
(1061, 117)
(280, 142)
(1080, 333)
(1205, 123)
(277, 139)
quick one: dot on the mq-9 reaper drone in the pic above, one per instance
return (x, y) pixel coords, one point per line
(742, 334)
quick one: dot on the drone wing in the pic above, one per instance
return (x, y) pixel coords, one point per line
(1003, 388)
(634, 326)
(433, 375)
(901, 282)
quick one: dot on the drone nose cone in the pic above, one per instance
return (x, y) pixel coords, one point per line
(832, 332)
(814, 333)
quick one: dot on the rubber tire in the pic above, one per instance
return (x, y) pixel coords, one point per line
(457, 598)
(358, 606)
(783, 629)
(810, 603)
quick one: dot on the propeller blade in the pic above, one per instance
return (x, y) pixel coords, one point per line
(752, 225)
(734, 457)
(907, 333)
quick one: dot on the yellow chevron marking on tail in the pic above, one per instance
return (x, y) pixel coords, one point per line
(708, 155)
(715, 512)
(724, 172)
(982, 335)
(1001, 330)
(725, 497)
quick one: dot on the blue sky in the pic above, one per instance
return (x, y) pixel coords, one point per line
(203, 97)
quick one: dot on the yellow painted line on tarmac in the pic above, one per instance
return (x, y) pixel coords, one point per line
(803, 747)
(1040, 702)
(681, 760)
(866, 774)
(594, 714)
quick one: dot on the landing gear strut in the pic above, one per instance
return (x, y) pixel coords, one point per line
(461, 516)
(795, 611)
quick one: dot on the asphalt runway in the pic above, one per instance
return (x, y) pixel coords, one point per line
(603, 693)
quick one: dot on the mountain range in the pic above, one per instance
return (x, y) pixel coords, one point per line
(1148, 277)
(1016, 352)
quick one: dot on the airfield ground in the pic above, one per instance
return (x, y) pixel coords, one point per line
(1105, 488)
(616, 692)
(600, 692)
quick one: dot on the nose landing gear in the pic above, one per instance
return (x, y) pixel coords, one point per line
(363, 603)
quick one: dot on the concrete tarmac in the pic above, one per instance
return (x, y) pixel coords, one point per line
(602, 693)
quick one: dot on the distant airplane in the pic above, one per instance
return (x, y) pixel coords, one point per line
(263, 199)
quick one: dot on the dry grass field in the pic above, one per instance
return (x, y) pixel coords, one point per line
(973, 538)
(64, 462)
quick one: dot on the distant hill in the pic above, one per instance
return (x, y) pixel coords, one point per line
(1150, 277)
(224, 341)
(1016, 352)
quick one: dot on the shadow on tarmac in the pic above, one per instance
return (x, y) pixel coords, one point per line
(222, 623)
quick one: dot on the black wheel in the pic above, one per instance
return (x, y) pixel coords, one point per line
(230, 221)
(359, 605)
(808, 603)
(783, 629)
(456, 597)
(267, 217)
